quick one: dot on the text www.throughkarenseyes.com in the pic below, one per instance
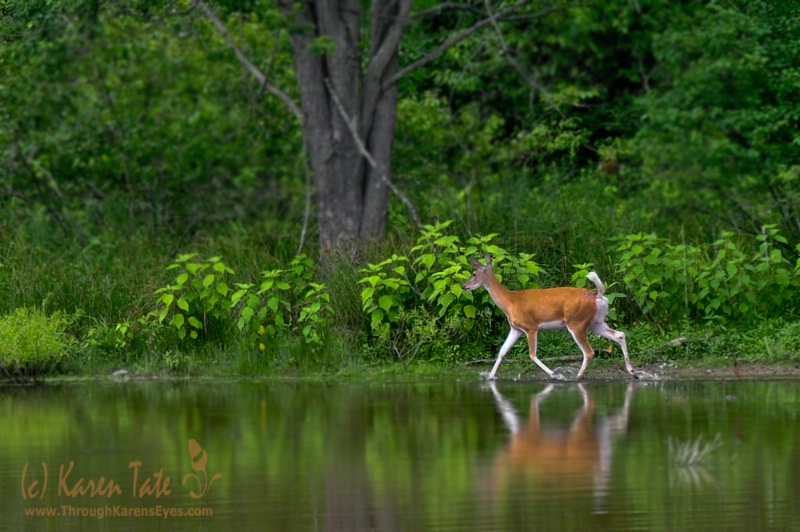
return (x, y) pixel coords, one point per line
(164, 512)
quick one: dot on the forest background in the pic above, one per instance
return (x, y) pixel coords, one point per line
(260, 187)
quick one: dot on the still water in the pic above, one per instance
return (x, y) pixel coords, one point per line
(690, 455)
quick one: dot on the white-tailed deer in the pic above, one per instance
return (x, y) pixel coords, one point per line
(528, 311)
(574, 459)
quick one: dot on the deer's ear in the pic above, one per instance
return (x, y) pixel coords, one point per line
(488, 260)
(475, 263)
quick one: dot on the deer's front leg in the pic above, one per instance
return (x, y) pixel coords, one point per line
(512, 338)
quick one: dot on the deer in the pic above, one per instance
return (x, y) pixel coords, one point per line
(573, 459)
(579, 310)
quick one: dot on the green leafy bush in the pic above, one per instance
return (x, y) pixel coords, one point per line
(107, 340)
(32, 343)
(284, 301)
(729, 279)
(415, 303)
(199, 293)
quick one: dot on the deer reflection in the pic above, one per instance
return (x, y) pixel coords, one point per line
(564, 460)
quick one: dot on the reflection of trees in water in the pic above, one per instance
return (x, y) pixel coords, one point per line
(567, 461)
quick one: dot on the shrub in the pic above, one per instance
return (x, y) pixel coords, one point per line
(285, 301)
(32, 343)
(199, 293)
(728, 280)
(415, 303)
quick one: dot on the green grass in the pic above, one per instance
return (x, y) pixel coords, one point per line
(89, 298)
(32, 343)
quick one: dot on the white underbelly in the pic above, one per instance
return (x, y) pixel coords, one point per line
(551, 325)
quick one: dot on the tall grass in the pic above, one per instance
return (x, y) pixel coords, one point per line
(107, 284)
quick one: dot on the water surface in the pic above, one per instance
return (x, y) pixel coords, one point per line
(400, 456)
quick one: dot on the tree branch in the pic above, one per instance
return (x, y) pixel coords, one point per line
(531, 79)
(388, 47)
(248, 65)
(307, 205)
(457, 38)
(445, 5)
(361, 148)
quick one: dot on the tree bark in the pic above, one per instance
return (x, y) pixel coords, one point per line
(342, 100)
(352, 197)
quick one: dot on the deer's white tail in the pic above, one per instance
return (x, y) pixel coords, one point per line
(601, 288)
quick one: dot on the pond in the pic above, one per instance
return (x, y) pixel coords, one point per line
(267, 455)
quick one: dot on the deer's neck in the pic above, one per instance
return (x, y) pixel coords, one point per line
(501, 295)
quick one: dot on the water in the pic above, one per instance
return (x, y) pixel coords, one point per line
(401, 456)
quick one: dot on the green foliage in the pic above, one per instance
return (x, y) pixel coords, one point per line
(385, 296)
(137, 114)
(721, 281)
(119, 342)
(32, 342)
(127, 132)
(266, 305)
(720, 134)
(313, 314)
(285, 301)
(199, 294)
(416, 303)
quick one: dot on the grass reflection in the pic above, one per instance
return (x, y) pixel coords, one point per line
(689, 460)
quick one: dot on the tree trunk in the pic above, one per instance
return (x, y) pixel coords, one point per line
(352, 197)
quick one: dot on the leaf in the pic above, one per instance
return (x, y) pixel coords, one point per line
(366, 294)
(183, 304)
(445, 301)
(182, 278)
(236, 296)
(194, 322)
(469, 311)
(456, 289)
(222, 288)
(208, 279)
(385, 302)
(167, 299)
(178, 321)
